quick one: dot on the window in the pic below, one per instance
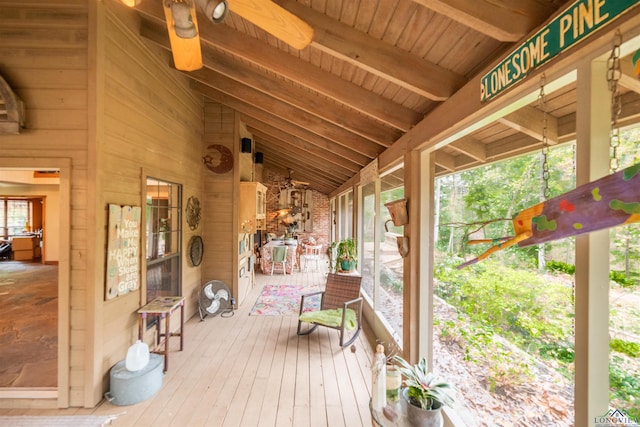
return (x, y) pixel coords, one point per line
(163, 237)
(382, 265)
(367, 235)
(506, 322)
(345, 216)
(14, 216)
(391, 272)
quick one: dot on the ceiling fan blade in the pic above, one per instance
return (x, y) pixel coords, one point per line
(275, 20)
(186, 51)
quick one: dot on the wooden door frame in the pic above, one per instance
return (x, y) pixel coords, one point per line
(61, 394)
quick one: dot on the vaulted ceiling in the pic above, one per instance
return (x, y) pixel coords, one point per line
(373, 71)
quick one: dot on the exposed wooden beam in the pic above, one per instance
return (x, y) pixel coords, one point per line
(299, 157)
(512, 145)
(317, 182)
(317, 178)
(531, 121)
(300, 98)
(303, 73)
(377, 57)
(445, 160)
(471, 147)
(311, 150)
(506, 21)
(628, 78)
(286, 112)
(298, 130)
(630, 115)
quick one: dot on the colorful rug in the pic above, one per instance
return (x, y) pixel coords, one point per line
(281, 300)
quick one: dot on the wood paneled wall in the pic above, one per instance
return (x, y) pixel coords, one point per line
(220, 193)
(149, 124)
(44, 57)
(104, 107)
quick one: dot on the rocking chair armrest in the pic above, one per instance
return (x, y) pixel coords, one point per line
(310, 294)
(346, 304)
(351, 302)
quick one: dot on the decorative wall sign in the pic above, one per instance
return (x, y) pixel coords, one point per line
(123, 251)
(577, 21)
(193, 212)
(218, 159)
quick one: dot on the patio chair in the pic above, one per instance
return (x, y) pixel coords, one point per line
(311, 253)
(279, 256)
(340, 307)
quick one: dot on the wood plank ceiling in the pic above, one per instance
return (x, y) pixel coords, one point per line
(374, 69)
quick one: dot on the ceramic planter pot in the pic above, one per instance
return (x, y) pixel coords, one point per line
(419, 417)
(346, 265)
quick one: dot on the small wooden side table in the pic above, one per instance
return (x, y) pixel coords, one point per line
(163, 307)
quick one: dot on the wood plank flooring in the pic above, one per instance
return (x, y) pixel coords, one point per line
(254, 371)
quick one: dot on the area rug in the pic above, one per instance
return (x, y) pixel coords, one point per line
(281, 300)
(54, 421)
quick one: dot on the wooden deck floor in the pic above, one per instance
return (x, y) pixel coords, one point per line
(254, 371)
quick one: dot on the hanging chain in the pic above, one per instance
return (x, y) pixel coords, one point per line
(573, 163)
(613, 77)
(573, 303)
(542, 103)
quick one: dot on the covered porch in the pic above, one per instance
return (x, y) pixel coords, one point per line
(250, 370)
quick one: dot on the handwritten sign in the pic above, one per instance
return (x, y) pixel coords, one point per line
(123, 250)
(579, 20)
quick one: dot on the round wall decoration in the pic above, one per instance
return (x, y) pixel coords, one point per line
(220, 160)
(193, 212)
(195, 250)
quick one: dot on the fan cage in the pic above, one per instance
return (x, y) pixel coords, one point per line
(215, 298)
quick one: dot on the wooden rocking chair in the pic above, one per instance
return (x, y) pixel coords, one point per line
(340, 307)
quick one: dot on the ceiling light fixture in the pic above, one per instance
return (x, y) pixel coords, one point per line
(131, 3)
(215, 10)
(183, 21)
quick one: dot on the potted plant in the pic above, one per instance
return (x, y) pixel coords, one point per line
(425, 394)
(347, 254)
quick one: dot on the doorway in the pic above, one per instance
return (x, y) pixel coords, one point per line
(29, 282)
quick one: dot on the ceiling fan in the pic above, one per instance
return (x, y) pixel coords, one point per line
(182, 24)
(291, 183)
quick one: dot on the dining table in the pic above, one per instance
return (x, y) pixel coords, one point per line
(266, 255)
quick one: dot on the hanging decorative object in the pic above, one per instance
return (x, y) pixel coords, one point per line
(219, 159)
(13, 119)
(193, 212)
(195, 250)
(636, 63)
(607, 202)
(398, 211)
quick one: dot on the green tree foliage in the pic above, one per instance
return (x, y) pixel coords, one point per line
(502, 299)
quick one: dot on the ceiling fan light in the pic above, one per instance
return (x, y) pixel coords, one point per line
(183, 21)
(220, 11)
(131, 3)
(215, 10)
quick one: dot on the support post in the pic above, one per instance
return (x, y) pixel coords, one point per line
(592, 250)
